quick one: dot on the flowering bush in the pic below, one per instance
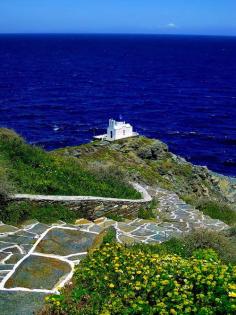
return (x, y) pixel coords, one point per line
(121, 280)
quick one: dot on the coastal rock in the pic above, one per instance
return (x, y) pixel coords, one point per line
(154, 151)
(149, 161)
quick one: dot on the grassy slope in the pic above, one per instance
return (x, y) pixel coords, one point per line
(217, 210)
(32, 170)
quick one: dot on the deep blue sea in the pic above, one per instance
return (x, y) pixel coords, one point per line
(57, 90)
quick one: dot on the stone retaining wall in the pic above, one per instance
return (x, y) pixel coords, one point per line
(93, 207)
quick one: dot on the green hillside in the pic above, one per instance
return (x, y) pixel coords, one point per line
(30, 169)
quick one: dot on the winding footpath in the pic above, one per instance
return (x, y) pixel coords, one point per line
(38, 259)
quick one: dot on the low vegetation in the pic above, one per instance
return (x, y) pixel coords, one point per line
(221, 242)
(5, 187)
(150, 211)
(115, 216)
(232, 231)
(217, 210)
(33, 170)
(140, 280)
(109, 237)
(16, 213)
(204, 239)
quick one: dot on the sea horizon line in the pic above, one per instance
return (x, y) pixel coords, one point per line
(111, 34)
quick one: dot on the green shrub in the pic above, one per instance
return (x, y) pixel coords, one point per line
(150, 211)
(208, 254)
(17, 212)
(190, 199)
(146, 213)
(118, 280)
(115, 217)
(110, 236)
(217, 210)
(6, 188)
(3, 190)
(232, 231)
(172, 246)
(205, 239)
(201, 239)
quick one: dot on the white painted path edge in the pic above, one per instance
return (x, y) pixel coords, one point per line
(145, 197)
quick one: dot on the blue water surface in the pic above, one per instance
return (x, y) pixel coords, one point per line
(58, 90)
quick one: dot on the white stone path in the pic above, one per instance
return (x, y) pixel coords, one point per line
(8, 273)
(18, 246)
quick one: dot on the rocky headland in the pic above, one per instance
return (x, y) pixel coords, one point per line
(149, 161)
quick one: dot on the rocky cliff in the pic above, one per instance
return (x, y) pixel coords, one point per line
(149, 161)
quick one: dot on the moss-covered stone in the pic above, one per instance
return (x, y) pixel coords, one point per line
(29, 275)
(65, 242)
(20, 303)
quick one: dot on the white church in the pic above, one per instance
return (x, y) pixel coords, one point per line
(117, 130)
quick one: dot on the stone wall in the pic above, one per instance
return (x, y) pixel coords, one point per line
(93, 207)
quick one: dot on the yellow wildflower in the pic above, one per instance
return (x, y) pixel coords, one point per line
(232, 294)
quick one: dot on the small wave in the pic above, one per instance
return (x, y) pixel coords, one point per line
(173, 132)
(56, 128)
